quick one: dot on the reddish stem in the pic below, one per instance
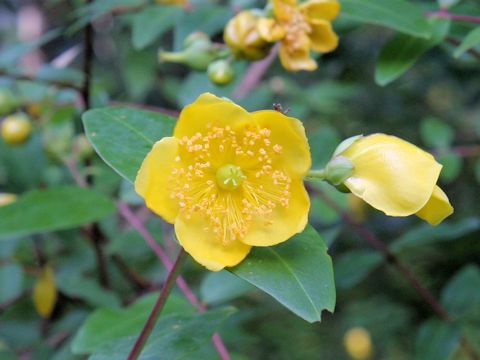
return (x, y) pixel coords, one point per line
(455, 17)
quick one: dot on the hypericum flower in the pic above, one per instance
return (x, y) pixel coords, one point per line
(301, 28)
(242, 36)
(394, 176)
(228, 180)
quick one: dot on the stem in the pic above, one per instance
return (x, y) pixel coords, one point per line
(127, 213)
(315, 175)
(455, 17)
(87, 62)
(156, 311)
(254, 74)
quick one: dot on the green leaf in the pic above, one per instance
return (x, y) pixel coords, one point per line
(297, 273)
(436, 340)
(471, 40)
(436, 133)
(150, 23)
(222, 286)
(398, 15)
(402, 51)
(354, 266)
(461, 297)
(123, 136)
(108, 324)
(426, 234)
(11, 282)
(53, 209)
(445, 4)
(174, 337)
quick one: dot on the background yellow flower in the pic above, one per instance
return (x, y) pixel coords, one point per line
(228, 180)
(301, 28)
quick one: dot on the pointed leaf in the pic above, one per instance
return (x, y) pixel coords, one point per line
(53, 209)
(123, 136)
(298, 273)
(471, 40)
(399, 15)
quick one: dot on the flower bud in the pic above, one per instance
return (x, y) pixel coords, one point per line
(16, 129)
(7, 101)
(198, 53)
(338, 170)
(242, 36)
(358, 343)
(220, 72)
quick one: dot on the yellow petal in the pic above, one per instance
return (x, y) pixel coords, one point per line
(437, 208)
(205, 247)
(270, 30)
(320, 9)
(284, 222)
(391, 174)
(207, 111)
(152, 181)
(45, 292)
(289, 133)
(323, 38)
(296, 60)
(283, 9)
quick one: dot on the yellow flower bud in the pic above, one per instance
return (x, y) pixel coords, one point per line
(220, 72)
(358, 343)
(395, 177)
(16, 129)
(45, 292)
(6, 198)
(242, 36)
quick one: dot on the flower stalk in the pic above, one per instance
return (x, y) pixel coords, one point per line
(157, 309)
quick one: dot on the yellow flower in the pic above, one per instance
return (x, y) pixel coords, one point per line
(396, 177)
(228, 180)
(301, 28)
(242, 36)
(358, 343)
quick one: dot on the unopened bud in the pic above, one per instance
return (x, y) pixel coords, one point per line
(358, 343)
(220, 72)
(242, 36)
(338, 170)
(199, 52)
(16, 129)
(82, 147)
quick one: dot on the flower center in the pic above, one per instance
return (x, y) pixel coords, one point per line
(229, 177)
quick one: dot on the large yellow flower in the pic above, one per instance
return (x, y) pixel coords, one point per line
(228, 180)
(301, 28)
(396, 177)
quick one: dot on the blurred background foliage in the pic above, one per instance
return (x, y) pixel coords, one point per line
(58, 300)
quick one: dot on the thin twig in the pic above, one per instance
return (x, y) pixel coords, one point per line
(157, 308)
(254, 74)
(128, 214)
(455, 17)
(390, 257)
(135, 278)
(87, 62)
(456, 42)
